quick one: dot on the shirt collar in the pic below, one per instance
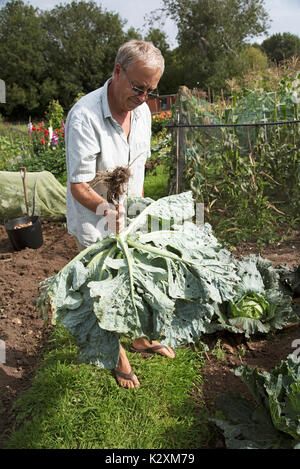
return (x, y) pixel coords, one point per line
(104, 99)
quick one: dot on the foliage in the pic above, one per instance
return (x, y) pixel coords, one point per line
(11, 150)
(161, 278)
(22, 63)
(279, 47)
(55, 114)
(260, 304)
(82, 40)
(50, 160)
(252, 306)
(253, 59)
(44, 53)
(237, 171)
(39, 148)
(271, 79)
(55, 54)
(158, 38)
(156, 184)
(211, 34)
(156, 181)
(275, 422)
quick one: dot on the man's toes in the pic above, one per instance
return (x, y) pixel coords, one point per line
(129, 383)
(167, 352)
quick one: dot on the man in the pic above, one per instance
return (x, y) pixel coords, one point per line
(107, 128)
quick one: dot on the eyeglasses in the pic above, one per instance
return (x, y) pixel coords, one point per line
(152, 94)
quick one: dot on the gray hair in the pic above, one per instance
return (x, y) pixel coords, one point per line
(134, 50)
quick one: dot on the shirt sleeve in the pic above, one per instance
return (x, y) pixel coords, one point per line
(82, 150)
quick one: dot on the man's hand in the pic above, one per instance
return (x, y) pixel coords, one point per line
(116, 218)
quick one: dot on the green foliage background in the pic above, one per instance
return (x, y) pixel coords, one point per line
(70, 49)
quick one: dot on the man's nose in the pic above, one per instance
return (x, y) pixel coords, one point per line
(143, 97)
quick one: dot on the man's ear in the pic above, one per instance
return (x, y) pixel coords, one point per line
(117, 70)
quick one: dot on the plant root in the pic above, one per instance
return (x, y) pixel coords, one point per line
(116, 182)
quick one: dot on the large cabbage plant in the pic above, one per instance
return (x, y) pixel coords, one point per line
(173, 283)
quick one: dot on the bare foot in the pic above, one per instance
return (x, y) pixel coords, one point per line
(124, 375)
(141, 343)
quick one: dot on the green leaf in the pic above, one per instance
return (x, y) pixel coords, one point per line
(275, 421)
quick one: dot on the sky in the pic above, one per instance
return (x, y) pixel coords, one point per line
(285, 15)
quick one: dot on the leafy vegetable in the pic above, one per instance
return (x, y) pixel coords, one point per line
(252, 306)
(260, 304)
(275, 421)
(170, 284)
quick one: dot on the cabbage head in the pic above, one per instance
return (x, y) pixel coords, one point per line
(252, 306)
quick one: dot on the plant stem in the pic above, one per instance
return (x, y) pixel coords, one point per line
(124, 247)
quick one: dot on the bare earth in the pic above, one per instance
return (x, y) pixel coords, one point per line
(24, 333)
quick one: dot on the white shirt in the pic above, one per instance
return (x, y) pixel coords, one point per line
(96, 142)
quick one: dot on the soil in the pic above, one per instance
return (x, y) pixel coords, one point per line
(24, 333)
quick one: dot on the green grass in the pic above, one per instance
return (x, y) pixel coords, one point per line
(156, 182)
(73, 405)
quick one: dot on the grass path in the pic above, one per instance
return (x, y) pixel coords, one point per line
(72, 405)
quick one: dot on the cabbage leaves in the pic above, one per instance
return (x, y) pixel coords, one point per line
(274, 423)
(172, 283)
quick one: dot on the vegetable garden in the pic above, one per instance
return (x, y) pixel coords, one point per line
(242, 160)
(193, 287)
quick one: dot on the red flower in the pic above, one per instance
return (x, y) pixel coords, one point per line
(43, 141)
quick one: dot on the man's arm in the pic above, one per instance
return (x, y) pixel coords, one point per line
(87, 197)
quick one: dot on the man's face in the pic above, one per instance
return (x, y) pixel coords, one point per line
(136, 76)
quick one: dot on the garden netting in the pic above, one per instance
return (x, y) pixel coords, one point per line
(46, 196)
(242, 160)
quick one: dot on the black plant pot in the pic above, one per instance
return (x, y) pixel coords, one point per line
(27, 237)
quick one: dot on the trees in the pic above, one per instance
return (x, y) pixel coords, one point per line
(81, 41)
(211, 34)
(279, 46)
(55, 54)
(21, 57)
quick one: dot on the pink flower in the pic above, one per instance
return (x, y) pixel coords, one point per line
(55, 139)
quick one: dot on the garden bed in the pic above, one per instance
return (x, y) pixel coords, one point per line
(24, 333)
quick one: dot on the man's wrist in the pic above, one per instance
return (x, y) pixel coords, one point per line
(103, 208)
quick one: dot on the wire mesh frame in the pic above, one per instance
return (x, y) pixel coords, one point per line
(180, 139)
(250, 124)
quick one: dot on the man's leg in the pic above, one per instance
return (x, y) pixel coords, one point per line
(124, 367)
